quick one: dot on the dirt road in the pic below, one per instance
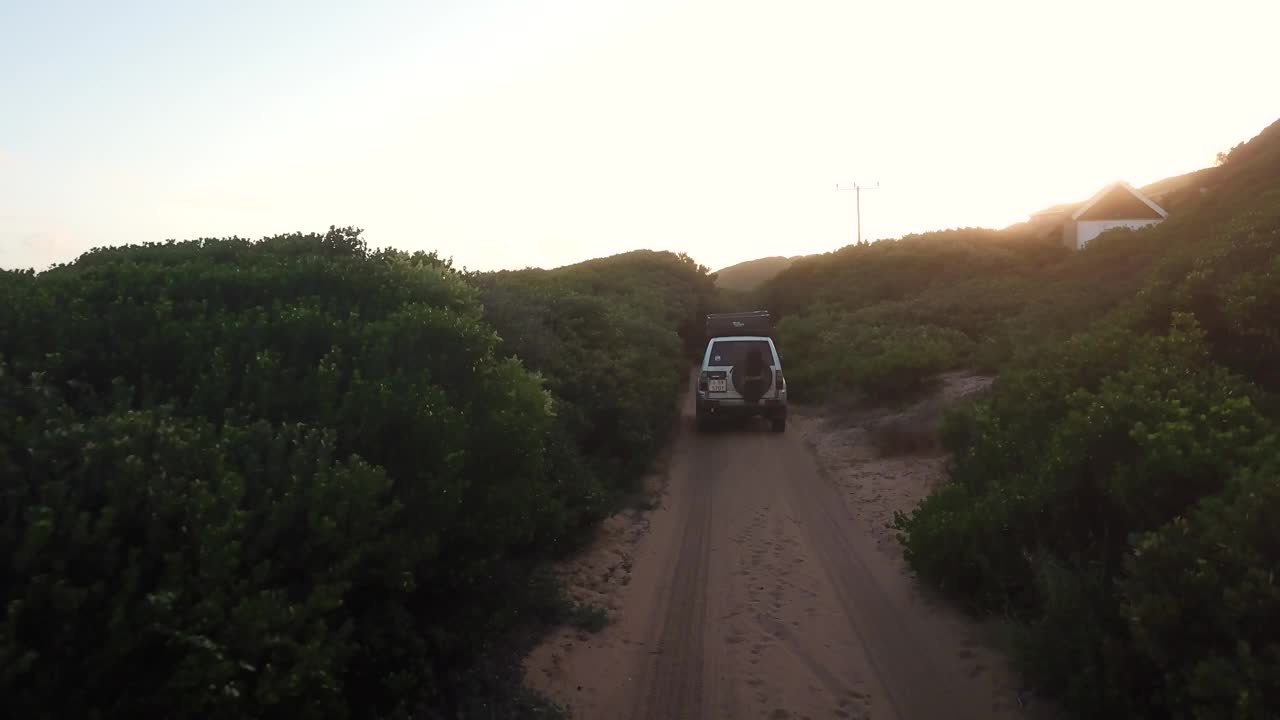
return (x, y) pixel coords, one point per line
(760, 590)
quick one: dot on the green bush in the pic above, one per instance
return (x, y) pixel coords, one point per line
(879, 320)
(1137, 377)
(1203, 604)
(299, 478)
(861, 276)
(832, 354)
(1113, 492)
(159, 566)
(611, 337)
(1051, 483)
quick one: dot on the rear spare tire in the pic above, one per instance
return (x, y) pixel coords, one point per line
(752, 377)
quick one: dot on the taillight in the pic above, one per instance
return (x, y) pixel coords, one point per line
(782, 382)
(702, 380)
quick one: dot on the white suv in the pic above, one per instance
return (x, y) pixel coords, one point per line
(742, 376)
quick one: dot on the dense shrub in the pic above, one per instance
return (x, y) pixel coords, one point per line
(1138, 383)
(831, 354)
(159, 566)
(1115, 436)
(1006, 291)
(879, 319)
(612, 337)
(1112, 493)
(860, 276)
(291, 478)
(1203, 604)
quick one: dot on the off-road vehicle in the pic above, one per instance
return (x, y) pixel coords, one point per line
(741, 372)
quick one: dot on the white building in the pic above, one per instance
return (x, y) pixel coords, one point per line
(1118, 205)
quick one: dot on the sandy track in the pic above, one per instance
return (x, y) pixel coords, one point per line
(764, 588)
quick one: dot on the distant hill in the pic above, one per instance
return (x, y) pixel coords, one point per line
(751, 274)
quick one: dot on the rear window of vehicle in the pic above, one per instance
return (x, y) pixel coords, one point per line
(733, 352)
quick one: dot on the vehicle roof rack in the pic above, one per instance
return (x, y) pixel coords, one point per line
(754, 322)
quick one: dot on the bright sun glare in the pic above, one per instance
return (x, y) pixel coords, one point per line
(507, 134)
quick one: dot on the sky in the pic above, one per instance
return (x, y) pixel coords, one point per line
(507, 134)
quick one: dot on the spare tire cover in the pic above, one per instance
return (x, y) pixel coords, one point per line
(752, 376)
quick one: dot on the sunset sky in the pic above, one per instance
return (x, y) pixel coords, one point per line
(544, 132)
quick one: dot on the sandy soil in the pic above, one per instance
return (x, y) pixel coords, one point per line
(766, 585)
(875, 484)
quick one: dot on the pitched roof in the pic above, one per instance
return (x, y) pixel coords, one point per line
(1108, 203)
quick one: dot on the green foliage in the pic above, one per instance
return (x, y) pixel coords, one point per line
(610, 336)
(860, 276)
(296, 477)
(1202, 602)
(148, 551)
(1137, 379)
(1114, 492)
(1007, 291)
(1230, 281)
(835, 354)
(879, 319)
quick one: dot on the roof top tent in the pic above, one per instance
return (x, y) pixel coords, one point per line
(756, 322)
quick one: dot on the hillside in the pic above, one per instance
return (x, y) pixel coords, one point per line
(1172, 190)
(878, 319)
(750, 275)
(1172, 193)
(1110, 497)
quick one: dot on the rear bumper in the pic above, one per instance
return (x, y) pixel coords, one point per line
(771, 407)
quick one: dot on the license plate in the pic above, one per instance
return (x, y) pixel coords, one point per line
(719, 385)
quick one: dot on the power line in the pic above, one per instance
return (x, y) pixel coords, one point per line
(857, 194)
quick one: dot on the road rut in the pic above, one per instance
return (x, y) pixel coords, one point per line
(759, 593)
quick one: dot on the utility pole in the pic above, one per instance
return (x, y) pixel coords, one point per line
(857, 195)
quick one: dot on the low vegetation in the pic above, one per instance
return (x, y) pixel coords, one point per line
(1111, 495)
(611, 338)
(300, 478)
(879, 319)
